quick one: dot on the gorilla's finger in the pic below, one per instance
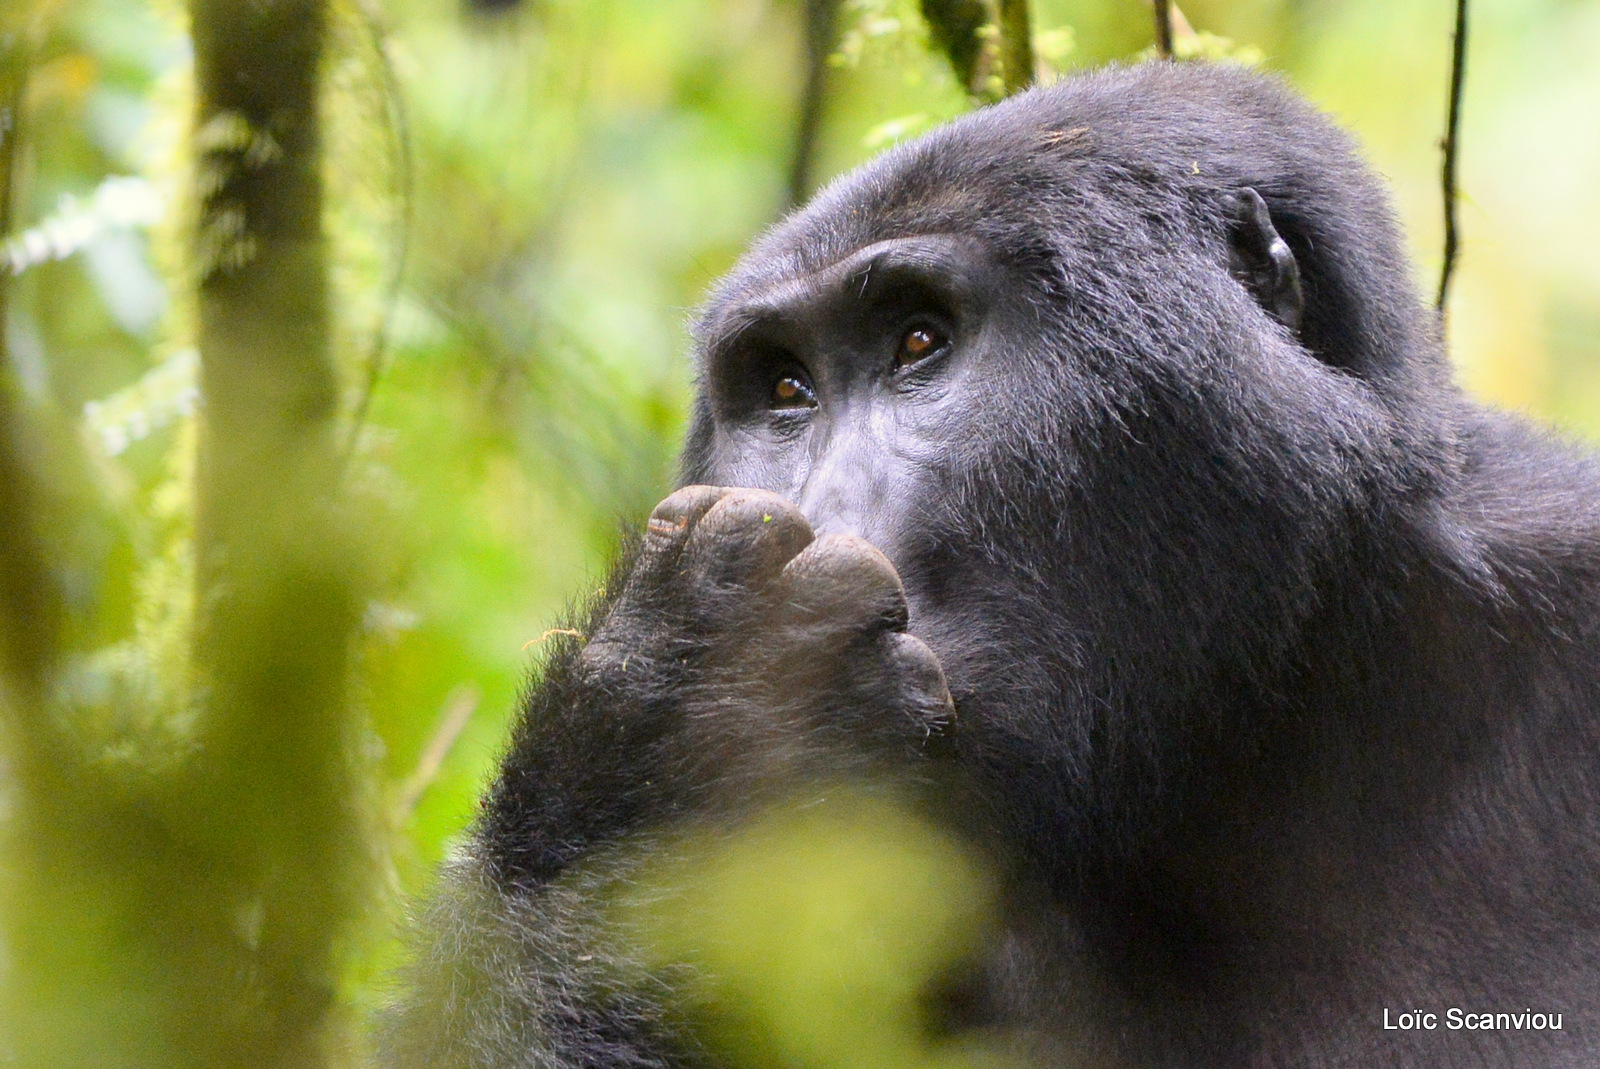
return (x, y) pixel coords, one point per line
(668, 530)
(840, 582)
(921, 680)
(743, 542)
(671, 520)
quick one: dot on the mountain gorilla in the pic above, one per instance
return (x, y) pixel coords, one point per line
(1273, 662)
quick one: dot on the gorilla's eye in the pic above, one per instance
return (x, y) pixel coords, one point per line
(921, 342)
(793, 391)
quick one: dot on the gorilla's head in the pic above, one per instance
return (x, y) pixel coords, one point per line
(1116, 373)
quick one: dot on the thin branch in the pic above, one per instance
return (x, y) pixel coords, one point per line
(398, 128)
(1163, 9)
(1452, 151)
(821, 18)
(459, 705)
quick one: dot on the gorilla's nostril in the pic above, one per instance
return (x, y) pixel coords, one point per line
(829, 525)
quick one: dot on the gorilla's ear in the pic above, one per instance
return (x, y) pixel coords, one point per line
(1261, 260)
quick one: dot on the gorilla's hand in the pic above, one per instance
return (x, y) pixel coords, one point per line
(742, 654)
(733, 605)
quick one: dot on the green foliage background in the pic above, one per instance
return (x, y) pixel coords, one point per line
(523, 208)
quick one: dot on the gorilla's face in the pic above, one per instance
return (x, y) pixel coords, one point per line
(998, 425)
(856, 390)
(1109, 424)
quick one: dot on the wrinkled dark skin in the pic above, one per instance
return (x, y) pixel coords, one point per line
(1275, 661)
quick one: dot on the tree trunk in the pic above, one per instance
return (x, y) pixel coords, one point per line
(188, 907)
(275, 600)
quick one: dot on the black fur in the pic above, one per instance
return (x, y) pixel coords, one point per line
(1275, 660)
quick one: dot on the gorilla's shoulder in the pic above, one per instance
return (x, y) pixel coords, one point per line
(1533, 496)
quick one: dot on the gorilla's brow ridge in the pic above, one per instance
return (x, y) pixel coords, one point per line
(929, 258)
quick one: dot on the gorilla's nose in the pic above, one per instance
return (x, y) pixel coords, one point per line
(826, 519)
(848, 490)
(824, 506)
(831, 511)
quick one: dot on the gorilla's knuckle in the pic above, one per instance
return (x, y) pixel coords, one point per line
(604, 657)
